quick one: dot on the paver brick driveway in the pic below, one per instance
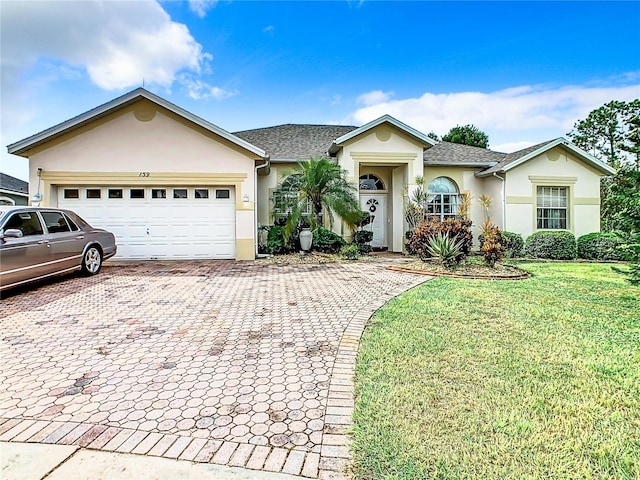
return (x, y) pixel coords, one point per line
(223, 362)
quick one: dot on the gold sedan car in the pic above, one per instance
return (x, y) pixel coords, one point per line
(36, 243)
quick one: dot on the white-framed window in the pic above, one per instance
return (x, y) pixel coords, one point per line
(369, 181)
(443, 198)
(285, 197)
(552, 208)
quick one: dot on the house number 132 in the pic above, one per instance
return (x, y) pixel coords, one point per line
(144, 174)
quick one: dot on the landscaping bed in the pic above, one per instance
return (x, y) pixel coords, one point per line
(470, 268)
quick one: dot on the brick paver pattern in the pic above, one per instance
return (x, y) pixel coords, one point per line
(223, 362)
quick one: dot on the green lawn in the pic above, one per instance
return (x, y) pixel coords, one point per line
(477, 379)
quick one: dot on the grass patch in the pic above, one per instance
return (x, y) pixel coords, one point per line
(538, 378)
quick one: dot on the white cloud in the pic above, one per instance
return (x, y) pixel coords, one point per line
(202, 7)
(522, 111)
(374, 97)
(118, 43)
(200, 90)
(268, 29)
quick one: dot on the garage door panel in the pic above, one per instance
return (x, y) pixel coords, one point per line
(162, 228)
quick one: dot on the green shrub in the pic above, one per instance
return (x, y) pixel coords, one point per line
(514, 244)
(418, 239)
(364, 249)
(361, 239)
(350, 252)
(326, 241)
(600, 246)
(275, 241)
(362, 236)
(630, 251)
(554, 245)
(445, 249)
(493, 245)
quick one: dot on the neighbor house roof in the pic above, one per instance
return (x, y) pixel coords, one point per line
(457, 154)
(292, 143)
(412, 132)
(13, 185)
(23, 146)
(514, 159)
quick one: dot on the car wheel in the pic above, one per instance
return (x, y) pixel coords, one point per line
(92, 261)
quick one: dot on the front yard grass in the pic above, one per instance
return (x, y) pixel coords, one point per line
(478, 379)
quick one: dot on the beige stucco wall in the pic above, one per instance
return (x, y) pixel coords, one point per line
(556, 167)
(468, 183)
(146, 138)
(398, 158)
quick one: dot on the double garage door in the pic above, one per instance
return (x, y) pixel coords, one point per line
(163, 223)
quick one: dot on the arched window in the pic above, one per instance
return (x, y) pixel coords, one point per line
(7, 201)
(443, 198)
(370, 181)
(285, 197)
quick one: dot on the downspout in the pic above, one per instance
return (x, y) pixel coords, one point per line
(255, 203)
(503, 202)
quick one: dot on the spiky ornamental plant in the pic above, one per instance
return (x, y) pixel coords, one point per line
(318, 185)
(445, 249)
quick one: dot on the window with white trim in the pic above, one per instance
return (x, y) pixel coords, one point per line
(552, 208)
(286, 196)
(443, 198)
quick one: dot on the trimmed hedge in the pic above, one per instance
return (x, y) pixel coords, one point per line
(515, 244)
(553, 245)
(600, 246)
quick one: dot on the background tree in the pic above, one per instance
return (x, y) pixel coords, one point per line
(610, 133)
(433, 136)
(318, 185)
(467, 135)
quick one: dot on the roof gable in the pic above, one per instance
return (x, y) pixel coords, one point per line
(412, 132)
(514, 159)
(21, 147)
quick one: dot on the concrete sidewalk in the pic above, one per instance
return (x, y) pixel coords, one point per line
(34, 461)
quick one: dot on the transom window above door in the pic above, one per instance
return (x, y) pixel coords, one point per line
(370, 181)
(443, 197)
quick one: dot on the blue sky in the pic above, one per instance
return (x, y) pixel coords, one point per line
(523, 72)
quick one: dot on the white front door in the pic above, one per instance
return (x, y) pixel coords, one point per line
(376, 205)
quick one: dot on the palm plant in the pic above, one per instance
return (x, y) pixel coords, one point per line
(318, 185)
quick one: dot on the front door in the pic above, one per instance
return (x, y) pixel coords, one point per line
(376, 206)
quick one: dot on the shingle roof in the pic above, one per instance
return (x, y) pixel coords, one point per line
(295, 142)
(513, 156)
(7, 182)
(459, 154)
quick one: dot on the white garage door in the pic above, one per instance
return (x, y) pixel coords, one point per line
(161, 223)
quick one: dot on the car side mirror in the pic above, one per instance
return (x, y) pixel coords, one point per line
(11, 233)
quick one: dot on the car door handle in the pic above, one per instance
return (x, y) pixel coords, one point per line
(43, 241)
(80, 237)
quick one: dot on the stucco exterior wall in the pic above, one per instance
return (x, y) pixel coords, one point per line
(467, 183)
(386, 147)
(144, 144)
(557, 167)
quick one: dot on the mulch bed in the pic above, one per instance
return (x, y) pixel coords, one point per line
(466, 270)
